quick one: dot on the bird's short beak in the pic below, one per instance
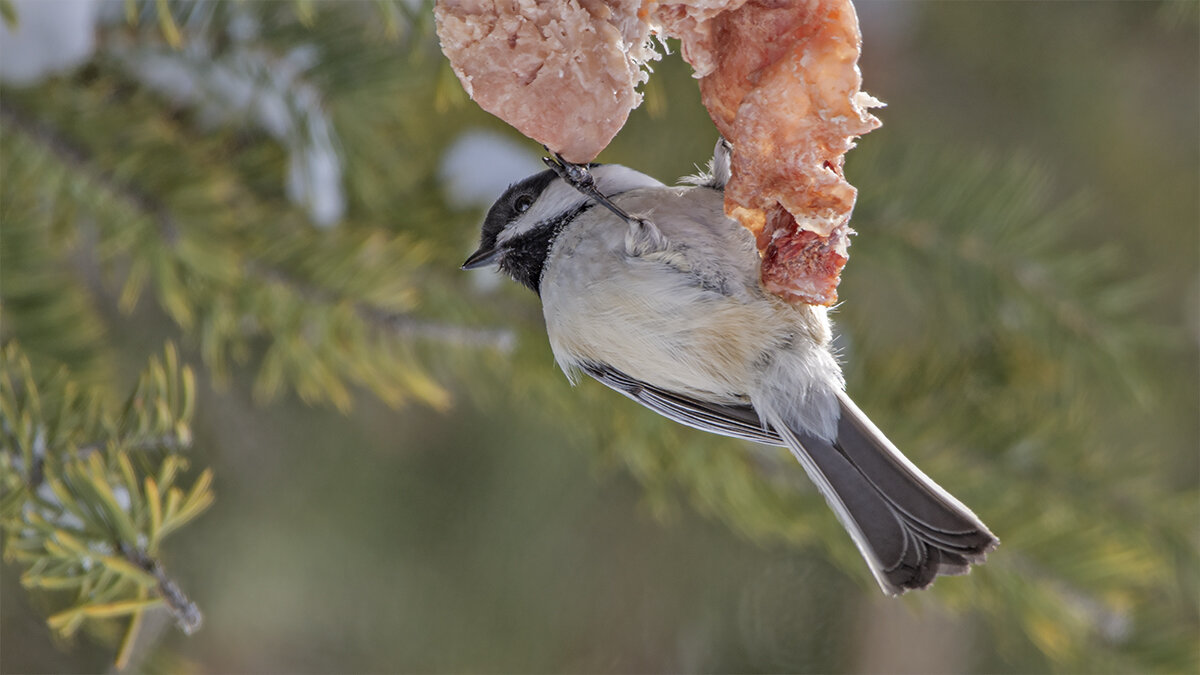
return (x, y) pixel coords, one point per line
(482, 258)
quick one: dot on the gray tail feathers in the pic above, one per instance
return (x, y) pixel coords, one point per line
(908, 528)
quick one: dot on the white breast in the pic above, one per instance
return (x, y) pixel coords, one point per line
(692, 318)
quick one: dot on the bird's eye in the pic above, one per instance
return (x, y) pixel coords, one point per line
(523, 203)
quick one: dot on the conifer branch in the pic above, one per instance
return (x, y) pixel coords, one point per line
(89, 516)
(318, 299)
(80, 161)
(400, 324)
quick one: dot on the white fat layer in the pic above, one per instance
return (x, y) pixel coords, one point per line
(559, 198)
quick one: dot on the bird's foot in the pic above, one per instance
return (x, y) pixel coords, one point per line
(578, 177)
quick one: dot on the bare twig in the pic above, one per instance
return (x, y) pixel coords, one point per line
(500, 339)
(171, 441)
(187, 615)
(401, 325)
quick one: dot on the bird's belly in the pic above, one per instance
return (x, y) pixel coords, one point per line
(661, 329)
(689, 318)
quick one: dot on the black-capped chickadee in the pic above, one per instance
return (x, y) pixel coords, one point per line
(666, 307)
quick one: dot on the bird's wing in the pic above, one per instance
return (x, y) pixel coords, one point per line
(738, 421)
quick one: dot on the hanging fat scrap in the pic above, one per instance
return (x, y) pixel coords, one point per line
(780, 81)
(563, 73)
(784, 91)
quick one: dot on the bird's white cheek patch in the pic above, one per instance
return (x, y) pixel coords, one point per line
(558, 199)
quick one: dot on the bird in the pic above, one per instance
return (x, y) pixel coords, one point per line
(654, 292)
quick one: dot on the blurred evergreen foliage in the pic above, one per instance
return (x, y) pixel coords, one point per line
(87, 494)
(986, 324)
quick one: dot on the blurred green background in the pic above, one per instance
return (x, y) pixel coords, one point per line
(404, 482)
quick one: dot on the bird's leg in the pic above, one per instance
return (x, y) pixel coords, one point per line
(578, 177)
